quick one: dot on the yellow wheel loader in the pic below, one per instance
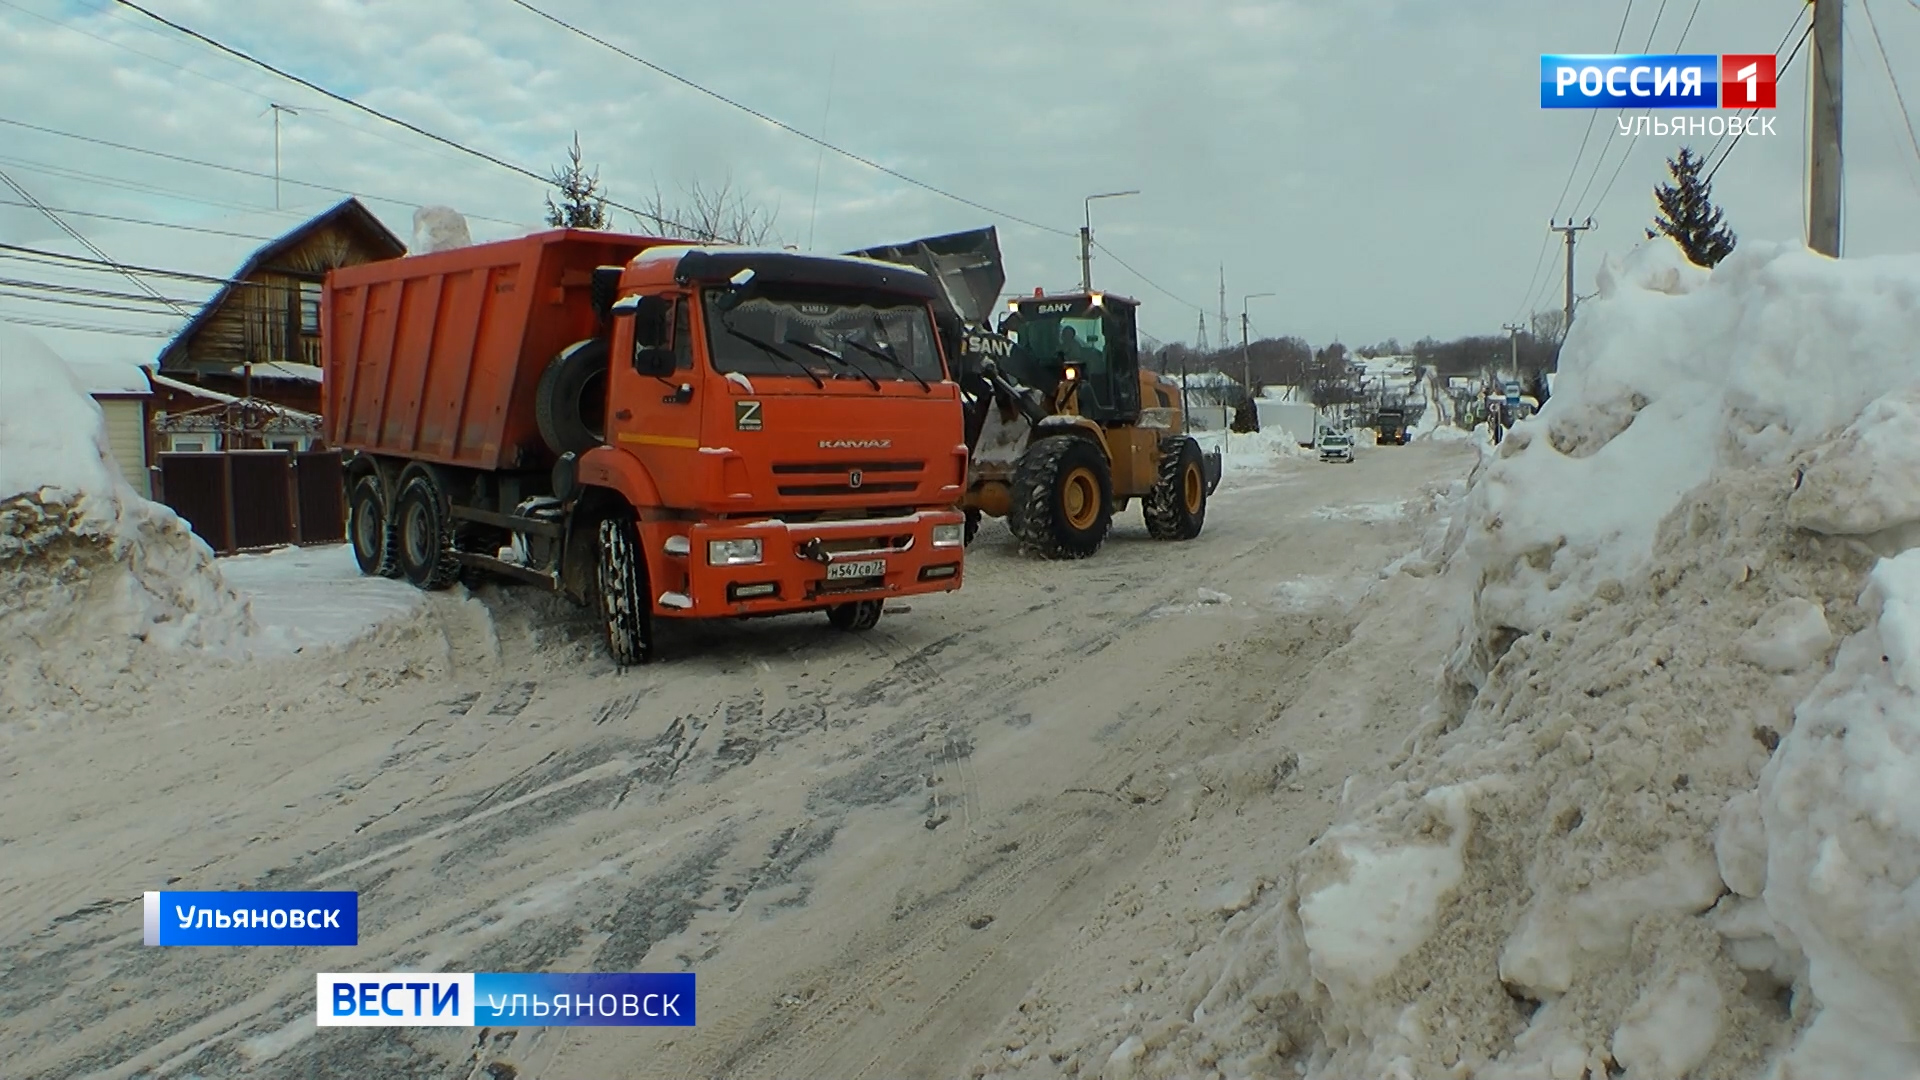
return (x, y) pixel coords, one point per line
(1064, 427)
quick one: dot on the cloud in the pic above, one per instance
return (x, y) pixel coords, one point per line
(1380, 164)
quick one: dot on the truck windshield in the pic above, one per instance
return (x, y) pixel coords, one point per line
(881, 338)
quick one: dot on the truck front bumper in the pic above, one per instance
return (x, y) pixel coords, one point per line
(805, 566)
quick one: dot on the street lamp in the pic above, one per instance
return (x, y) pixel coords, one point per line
(1086, 237)
(1246, 355)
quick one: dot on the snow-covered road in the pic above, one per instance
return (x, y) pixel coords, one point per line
(870, 848)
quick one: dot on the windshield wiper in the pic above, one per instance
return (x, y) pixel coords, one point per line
(821, 350)
(878, 355)
(773, 351)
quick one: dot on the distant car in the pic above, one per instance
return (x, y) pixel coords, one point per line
(1336, 448)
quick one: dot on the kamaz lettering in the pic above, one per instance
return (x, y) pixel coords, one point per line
(855, 444)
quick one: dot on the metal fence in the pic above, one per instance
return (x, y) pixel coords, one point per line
(242, 500)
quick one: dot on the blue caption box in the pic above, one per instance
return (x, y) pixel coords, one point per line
(1629, 81)
(252, 918)
(494, 999)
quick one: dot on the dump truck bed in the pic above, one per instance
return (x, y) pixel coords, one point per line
(437, 357)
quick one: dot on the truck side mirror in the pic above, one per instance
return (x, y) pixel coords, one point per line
(653, 336)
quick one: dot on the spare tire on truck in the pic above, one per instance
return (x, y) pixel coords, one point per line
(570, 404)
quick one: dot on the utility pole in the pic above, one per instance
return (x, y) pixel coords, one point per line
(1225, 334)
(1823, 181)
(1246, 354)
(276, 110)
(1513, 332)
(1086, 238)
(1568, 230)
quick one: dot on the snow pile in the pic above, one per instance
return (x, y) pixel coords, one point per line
(1662, 818)
(90, 572)
(438, 228)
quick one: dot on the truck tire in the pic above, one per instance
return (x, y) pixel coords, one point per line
(1062, 498)
(626, 607)
(570, 404)
(370, 528)
(972, 527)
(856, 616)
(423, 535)
(1176, 508)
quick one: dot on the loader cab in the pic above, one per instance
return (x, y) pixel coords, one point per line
(1081, 349)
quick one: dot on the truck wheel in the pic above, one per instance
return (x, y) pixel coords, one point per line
(423, 533)
(1062, 498)
(1176, 508)
(370, 529)
(972, 526)
(625, 605)
(857, 616)
(570, 404)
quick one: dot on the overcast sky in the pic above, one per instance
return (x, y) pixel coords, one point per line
(1383, 166)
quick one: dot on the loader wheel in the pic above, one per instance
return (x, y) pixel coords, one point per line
(626, 607)
(856, 616)
(371, 530)
(1176, 508)
(423, 533)
(1062, 498)
(570, 404)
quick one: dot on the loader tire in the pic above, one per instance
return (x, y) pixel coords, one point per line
(1176, 508)
(1062, 498)
(423, 533)
(370, 528)
(626, 605)
(570, 404)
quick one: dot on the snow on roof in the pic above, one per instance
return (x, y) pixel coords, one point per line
(280, 369)
(678, 251)
(102, 377)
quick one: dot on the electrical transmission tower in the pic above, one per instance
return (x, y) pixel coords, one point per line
(1200, 343)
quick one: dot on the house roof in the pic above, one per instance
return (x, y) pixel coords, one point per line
(102, 379)
(348, 210)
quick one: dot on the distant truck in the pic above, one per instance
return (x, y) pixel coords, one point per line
(656, 429)
(1390, 426)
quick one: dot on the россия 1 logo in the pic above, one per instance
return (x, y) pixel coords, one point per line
(1696, 81)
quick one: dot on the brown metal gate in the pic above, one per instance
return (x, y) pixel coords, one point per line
(241, 500)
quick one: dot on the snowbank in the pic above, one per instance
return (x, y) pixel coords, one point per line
(90, 572)
(1662, 817)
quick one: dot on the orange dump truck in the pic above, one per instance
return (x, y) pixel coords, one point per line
(657, 429)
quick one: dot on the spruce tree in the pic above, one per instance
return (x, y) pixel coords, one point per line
(581, 205)
(1687, 212)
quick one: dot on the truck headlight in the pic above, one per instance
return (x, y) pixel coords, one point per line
(949, 535)
(733, 552)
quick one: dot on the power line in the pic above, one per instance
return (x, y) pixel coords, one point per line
(82, 240)
(522, 170)
(1143, 277)
(1592, 118)
(143, 221)
(30, 254)
(789, 128)
(97, 305)
(230, 168)
(1881, 46)
(1784, 68)
(81, 290)
(89, 327)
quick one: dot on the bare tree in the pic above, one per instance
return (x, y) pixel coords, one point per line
(717, 213)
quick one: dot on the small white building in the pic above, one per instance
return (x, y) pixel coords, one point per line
(122, 391)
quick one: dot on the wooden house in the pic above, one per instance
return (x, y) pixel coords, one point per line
(259, 335)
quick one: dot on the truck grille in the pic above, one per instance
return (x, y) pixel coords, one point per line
(828, 478)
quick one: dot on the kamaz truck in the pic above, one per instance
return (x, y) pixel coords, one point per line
(662, 431)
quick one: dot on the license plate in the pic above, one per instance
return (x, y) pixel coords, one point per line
(866, 568)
